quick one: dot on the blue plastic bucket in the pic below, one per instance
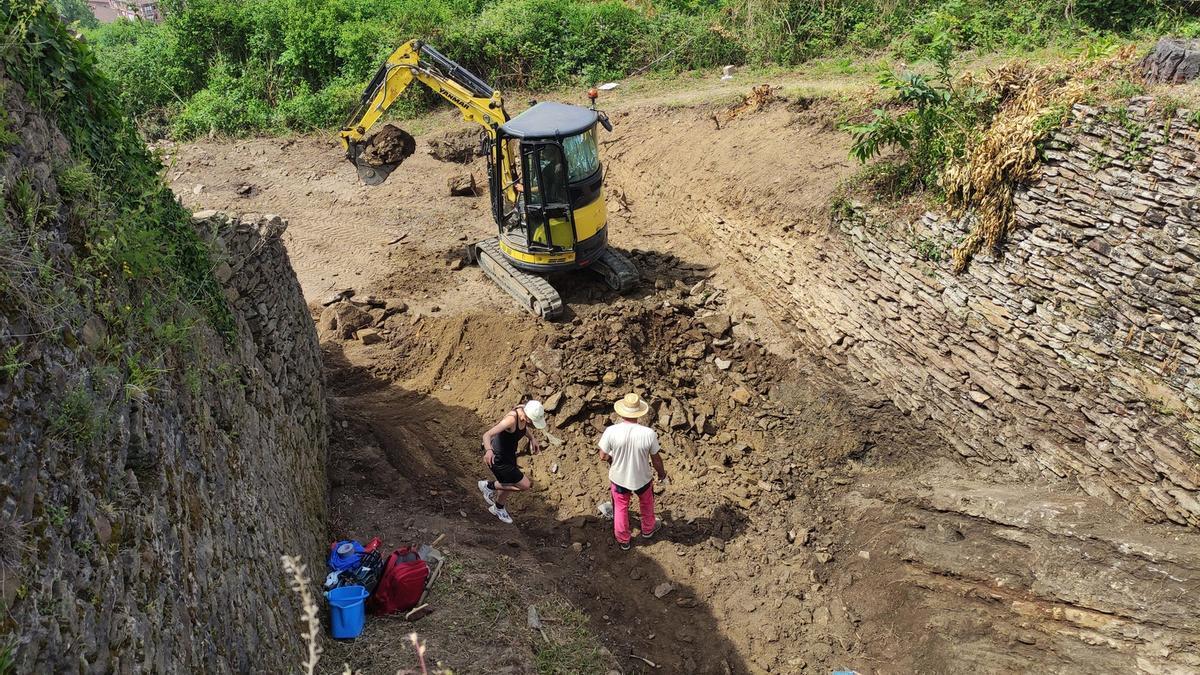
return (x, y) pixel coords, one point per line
(347, 611)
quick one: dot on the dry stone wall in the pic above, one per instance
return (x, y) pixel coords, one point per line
(157, 548)
(1074, 354)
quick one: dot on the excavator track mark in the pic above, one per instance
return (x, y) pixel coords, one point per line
(618, 271)
(534, 293)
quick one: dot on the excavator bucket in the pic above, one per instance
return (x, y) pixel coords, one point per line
(378, 155)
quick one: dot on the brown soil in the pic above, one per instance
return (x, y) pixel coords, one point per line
(813, 527)
(389, 145)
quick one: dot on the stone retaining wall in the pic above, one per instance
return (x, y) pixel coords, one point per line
(154, 547)
(1074, 354)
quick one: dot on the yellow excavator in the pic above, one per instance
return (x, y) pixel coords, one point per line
(545, 178)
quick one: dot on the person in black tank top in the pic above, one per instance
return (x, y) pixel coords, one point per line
(500, 455)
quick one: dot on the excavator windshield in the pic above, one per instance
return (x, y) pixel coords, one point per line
(583, 157)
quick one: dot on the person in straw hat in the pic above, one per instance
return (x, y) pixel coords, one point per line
(500, 455)
(630, 448)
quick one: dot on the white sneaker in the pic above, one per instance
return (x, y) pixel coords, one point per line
(501, 513)
(488, 493)
(657, 526)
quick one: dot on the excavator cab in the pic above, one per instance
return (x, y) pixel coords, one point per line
(551, 213)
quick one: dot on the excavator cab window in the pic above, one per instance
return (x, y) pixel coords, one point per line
(511, 196)
(545, 171)
(583, 157)
(548, 217)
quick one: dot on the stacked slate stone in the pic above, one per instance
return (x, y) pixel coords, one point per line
(1071, 353)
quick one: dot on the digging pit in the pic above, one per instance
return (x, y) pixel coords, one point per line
(817, 525)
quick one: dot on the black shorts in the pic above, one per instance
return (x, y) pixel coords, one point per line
(509, 474)
(638, 492)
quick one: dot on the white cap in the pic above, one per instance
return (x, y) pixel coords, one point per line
(536, 413)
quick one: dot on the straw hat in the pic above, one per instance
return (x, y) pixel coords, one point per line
(536, 413)
(631, 407)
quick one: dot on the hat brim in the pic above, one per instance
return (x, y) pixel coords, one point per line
(632, 413)
(539, 423)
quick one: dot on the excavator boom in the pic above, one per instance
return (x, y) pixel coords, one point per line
(414, 60)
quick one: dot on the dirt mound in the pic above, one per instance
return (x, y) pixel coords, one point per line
(755, 444)
(460, 147)
(390, 145)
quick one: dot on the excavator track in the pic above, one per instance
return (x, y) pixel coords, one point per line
(534, 293)
(618, 271)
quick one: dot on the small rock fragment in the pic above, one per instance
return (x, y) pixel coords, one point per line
(337, 296)
(741, 395)
(717, 324)
(462, 186)
(663, 589)
(369, 336)
(368, 301)
(93, 332)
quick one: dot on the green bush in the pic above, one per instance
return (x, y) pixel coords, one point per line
(249, 66)
(147, 62)
(228, 105)
(137, 231)
(308, 110)
(937, 125)
(76, 12)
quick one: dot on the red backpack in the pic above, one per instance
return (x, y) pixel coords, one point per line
(401, 583)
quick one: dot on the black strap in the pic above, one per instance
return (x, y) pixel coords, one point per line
(517, 415)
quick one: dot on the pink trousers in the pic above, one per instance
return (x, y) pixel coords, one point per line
(621, 511)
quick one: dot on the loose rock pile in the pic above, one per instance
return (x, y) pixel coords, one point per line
(717, 400)
(348, 316)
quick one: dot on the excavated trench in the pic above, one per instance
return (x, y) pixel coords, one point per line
(759, 447)
(810, 524)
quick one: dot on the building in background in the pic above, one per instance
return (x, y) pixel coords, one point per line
(107, 11)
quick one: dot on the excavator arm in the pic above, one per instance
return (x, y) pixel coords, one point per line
(415, 60)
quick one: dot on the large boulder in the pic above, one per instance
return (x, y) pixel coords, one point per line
(1173, 61)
